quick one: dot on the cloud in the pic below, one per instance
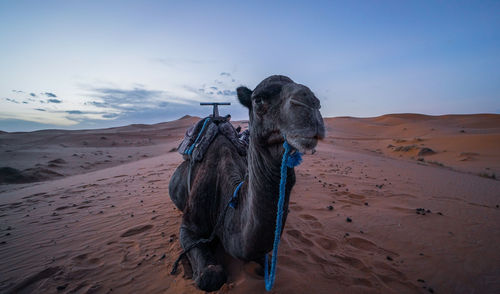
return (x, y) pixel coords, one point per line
(133, 103)
(81, 115)
(143, 105)
(225, 74)
(12, 100)
(97, 104)
(110, 107)
(110, 115)
(126, 100)
(227, 93)
(17, 91)
(32, 94)
(49, 94)
(215, 91)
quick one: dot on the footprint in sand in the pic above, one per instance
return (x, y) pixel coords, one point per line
(136, 230)
(352, 262)
(298, 235)
(298, 252)
(316, 225)
(361, 282)
(313, 221)
(34, 195)
(296, 208)
(393, 278)
(362, 244)
(318, 259)
(308, 217)
(83, 207)
(366, 245)
(84, 260)
(356, 196)
(80, 257)
(325, 243)
(44, 274)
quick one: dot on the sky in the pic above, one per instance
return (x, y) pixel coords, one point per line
(96, 64)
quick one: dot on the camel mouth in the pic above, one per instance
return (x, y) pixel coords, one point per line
(275, 137)
(303, 144)
(298, 142)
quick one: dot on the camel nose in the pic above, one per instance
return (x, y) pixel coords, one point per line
(302, 107)
(315, 117)
(303, 97)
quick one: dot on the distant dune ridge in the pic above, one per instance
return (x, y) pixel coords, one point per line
(29, 157)
(400, 203)
(83, 150)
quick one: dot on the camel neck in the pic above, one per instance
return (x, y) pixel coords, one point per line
(259, 215)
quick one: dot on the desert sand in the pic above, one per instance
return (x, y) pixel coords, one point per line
(401, 203)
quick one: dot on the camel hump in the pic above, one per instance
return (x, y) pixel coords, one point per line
(199, 137)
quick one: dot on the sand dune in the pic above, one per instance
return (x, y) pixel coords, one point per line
(75, 152)
(364, 217)
(467, 143)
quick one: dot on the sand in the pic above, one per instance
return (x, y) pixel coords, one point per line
(365, 215)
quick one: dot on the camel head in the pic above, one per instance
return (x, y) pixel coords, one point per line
(279, 107)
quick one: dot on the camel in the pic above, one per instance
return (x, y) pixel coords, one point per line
(278, 108)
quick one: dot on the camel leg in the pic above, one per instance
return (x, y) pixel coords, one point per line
(208, 275)
(177, 187)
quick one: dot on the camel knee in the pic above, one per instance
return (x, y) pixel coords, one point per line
(211, 278)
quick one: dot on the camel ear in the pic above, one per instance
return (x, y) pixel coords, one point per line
(244, 95)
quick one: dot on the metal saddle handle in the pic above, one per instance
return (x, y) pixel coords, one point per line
(216, 106)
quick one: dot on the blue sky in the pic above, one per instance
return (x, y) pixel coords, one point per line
(92, 64)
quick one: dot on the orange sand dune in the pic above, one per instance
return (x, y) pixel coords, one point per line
(467, 143)
(416, 226)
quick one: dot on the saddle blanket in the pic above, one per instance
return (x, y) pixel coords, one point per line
(199, 137)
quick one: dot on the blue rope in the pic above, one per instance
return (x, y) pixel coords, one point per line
(190, 150)
(288, 160)
(234, 200)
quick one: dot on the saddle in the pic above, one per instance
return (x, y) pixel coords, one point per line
(199, 137)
